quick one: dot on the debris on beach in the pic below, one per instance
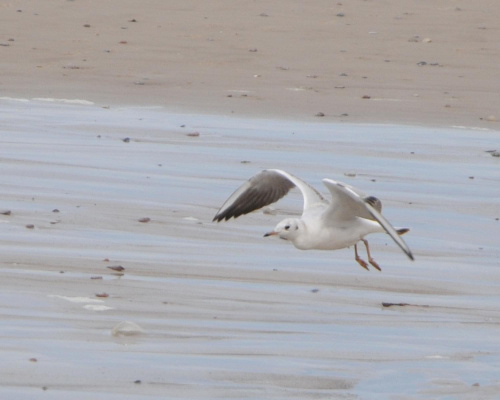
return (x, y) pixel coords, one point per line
(117, 268)
(144, 220)
(384, 304)
(127, 328)
(494, 153)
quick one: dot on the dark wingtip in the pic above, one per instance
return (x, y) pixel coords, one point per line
(222, 217)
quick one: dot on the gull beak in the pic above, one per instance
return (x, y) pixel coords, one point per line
(273, 233)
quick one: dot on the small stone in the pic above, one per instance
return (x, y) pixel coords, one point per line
(86, 26)
(320, 114)
(193, 134)
(126, 140)
(117, 268)
(491, 118)
(144, 220)
(30, 226)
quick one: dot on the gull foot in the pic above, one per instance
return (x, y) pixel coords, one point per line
(372, 262)
(362, 263)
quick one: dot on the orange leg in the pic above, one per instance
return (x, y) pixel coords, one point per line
(370, 259)
(358, 258)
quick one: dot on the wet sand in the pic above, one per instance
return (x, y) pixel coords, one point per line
(162, 127)
(224, 312)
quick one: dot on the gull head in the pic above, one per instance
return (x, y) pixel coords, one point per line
(287, 229)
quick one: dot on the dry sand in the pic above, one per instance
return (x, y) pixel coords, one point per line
(354, 61)
(223, 312)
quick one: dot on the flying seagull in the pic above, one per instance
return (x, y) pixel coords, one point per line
(324, 225)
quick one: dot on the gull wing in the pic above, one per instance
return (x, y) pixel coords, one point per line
(348, 202)
(264, 188)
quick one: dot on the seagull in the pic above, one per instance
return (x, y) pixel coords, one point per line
(324, 225)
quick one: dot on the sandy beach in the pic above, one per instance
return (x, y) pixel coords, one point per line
(125, 125)
(409, 62)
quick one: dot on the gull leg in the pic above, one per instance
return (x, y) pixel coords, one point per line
(358, 259)
(370, 259)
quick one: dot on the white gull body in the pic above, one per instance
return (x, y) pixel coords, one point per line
(343, 222)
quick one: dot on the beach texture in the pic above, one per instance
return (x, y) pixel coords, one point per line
(126, 124)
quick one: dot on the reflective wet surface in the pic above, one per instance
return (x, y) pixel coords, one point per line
(227, 313)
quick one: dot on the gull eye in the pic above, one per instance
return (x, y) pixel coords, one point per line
(287, 227)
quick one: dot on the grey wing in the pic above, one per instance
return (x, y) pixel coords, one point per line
(348, 202)
(265, 188)
(261, 190)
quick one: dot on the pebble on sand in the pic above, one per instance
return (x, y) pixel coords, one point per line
(127, 328)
